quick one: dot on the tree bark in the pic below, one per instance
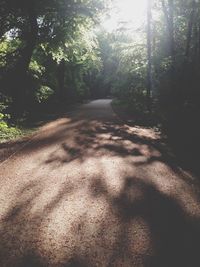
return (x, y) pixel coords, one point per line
(169, 16)
(199, 44)
(31, 40)
(189, 33)
(20, 83)
(149, 54)
(171, 30)
(61, 79)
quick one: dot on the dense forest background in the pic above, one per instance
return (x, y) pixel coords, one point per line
(55, 53)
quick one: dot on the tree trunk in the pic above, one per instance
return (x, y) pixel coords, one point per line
(20, 82)
(149, 55)
(199, 42)
(31, 40)
(195, 53)
(189, 33)
(168, 11)
(171, 30)
(61, 80)
(169, 16)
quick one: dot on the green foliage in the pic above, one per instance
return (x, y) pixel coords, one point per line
(36, 39)
(7, 133)
(36, 68)
(124, 66)
(125, 61)
(43, 93)
(50, 52)
(8, 50)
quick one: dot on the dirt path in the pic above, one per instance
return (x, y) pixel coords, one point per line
(90, 191)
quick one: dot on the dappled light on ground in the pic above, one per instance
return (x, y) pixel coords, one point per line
(90, 191)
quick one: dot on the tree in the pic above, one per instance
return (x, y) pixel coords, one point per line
(41, 25)
(190, 27)
(149, 54)
(168, 9)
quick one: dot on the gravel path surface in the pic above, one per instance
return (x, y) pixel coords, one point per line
(90, 191)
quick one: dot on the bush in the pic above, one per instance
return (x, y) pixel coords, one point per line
(7, 132)
(43, 93)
